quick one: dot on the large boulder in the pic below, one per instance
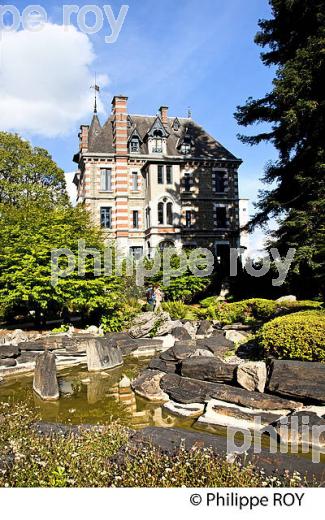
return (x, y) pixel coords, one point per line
(298, 379)
(186, 390)
(45, 382)
(220, 413)
(252, 375)
(208, 369)
(147, 322)
(101, 356)
(167, 326)
(8, 351)
(147, 385)
(180, 333)
(215, 341)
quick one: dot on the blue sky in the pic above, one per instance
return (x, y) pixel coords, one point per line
(177, 53)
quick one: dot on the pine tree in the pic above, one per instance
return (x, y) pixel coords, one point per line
(294, 112)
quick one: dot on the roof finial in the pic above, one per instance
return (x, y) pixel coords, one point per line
(189, 112)
(96, 89)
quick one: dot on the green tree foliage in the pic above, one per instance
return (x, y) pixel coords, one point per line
(294, 113)
(28, 174)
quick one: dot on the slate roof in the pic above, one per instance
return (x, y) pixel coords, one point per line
(203, 145)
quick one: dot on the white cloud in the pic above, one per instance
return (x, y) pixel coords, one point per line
(45, 80)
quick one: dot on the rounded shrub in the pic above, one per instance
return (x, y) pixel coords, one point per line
(299, 336)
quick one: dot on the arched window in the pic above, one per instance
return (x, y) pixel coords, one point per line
(160, 213)
(169, 213)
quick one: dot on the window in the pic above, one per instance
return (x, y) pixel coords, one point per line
(160, 213)
(136, 252)
(106, 180)
(135, 181)
(187, 182)
(135, 214)
(186, 148)
(106, 218)
(160, 175)
(219, 182)
(148, 218)
(157, 147)
(188, 218)
(134, 145)
(221, 217)
(169, 213)
(169, 174)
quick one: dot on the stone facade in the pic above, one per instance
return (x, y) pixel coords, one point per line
(154, 181)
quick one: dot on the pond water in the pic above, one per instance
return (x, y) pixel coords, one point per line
(97, 398)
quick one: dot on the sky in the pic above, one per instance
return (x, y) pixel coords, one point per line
(185, 53)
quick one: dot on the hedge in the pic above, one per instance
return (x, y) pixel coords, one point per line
(299, 336)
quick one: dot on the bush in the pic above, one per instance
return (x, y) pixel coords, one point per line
(254, 309)
(298, 336)
(118, 319)
(176, 310)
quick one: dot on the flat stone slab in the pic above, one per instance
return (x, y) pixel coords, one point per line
(187, 390)
(8, 351)
(299, 379)
(220, 413)
(208, 369)
(184, 410)
(8, 362)
(302, 428)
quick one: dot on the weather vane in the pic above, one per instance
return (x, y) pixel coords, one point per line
(96, 89)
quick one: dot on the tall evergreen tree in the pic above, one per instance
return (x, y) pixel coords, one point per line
(295, 114)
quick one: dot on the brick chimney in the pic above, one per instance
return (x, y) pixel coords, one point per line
(164, 115)
(120, 126)
(83, 138)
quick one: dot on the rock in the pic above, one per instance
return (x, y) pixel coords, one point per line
(146, 322)
(167, 326)
(9, 362)
(122, 340)
(205, 329)
(236, 326)
(8, 351)
(237, 336)
(92, 329)
(27, 357)
(220, 413)
(183, 349)
(201, 352)
(208, 369)
(187, 390)
(301, 379)
(163, 366)
(251, 375)
(45, 382)
(180, 333)
(101, 356)
(289, 298)
(148, 346)
(184, 410)
(166, 341)
(217, 340)
(17, 336)
(301, 428)
(147, 385)
(191, 328)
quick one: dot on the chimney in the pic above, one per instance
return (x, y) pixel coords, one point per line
(164, 115)
(83, 138)
(120, 126)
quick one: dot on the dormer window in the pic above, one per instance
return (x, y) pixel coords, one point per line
(157, 141)
(176, 125)
(186, 147)
(134, 144)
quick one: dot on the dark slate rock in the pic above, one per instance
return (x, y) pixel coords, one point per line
(180, 333)
(8, 351)
(215, 341)
(9, 362)
(27, 357)
(187, 390)
(163, 366)
(205, 328)
(45, 382)
(208, 369)
(183, 349)
(299, 379)
(27, 346)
